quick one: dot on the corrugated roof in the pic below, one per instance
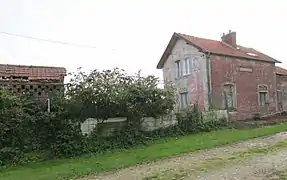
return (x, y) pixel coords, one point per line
(33, 72)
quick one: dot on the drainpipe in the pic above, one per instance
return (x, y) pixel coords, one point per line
(208, 68)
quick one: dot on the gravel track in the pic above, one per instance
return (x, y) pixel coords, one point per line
(211, 164)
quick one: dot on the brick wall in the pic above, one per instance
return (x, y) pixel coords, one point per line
(246, 75)
(281, 82)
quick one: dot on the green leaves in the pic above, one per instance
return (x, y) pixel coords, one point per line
(113, 93)
(190, 121)
(26, 126)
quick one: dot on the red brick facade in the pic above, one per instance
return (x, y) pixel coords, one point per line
(281, 81)
(245, 75)
(238, 78)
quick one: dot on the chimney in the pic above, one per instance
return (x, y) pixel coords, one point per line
(229, 38)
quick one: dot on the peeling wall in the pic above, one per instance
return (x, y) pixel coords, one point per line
(196, 82)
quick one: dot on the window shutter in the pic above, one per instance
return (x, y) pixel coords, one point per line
(175, 70)
(188, 66)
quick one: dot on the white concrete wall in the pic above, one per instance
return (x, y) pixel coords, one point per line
(150, 123)
(195, 83)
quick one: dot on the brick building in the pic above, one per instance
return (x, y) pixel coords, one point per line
(35, 80)
(220, 74)
(281, 81)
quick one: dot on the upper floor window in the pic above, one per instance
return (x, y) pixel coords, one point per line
(184, 100)
(182, 67)
(178, 69)
(186, 66)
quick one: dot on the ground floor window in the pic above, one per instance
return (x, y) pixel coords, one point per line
(263, 95)
(183, 100)
(263, 98)
(279, 95)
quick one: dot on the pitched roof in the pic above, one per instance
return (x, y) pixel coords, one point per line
(281, 71)
(32, 72)
(215, 47)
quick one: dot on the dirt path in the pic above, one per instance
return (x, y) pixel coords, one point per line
(261, 158)
(257, 168)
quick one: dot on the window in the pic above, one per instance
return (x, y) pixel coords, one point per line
(229, 96)
(263, 98)
(186, 66)
(263, 92)
(177, 71)
(183, 100)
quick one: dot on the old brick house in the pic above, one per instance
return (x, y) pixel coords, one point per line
(220, 74)
(281, 81)
(35, 80)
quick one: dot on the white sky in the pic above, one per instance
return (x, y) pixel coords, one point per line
(132, 34)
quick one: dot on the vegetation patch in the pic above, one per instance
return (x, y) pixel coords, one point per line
(163, 148)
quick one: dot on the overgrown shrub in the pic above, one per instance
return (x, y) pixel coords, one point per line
(14, 134)
(190, 120)
(59, 136)
(28, 131)
(26, 127)
(257, 116)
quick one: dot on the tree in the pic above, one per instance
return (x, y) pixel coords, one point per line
(113, 93)
(145, 99)
(98, 94)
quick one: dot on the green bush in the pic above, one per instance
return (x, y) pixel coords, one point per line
(29, 133)
(14, 135)
(25, 128)
(58, 136)
(190, 121)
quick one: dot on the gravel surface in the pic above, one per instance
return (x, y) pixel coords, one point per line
(211, 164)
(257, 168)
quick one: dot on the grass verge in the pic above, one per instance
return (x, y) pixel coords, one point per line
(76, 167)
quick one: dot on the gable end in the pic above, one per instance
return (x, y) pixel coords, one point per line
(175, 37)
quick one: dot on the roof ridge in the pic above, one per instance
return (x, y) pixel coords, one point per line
(199, 37)
(195, 38)
(216, 47)
(32, 66)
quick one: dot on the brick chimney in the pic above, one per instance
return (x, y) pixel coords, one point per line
(229, 38)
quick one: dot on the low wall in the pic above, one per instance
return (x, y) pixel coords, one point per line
(148, 123)
(214, 114)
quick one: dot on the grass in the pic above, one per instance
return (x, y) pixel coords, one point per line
(72, 168)
(281, 175)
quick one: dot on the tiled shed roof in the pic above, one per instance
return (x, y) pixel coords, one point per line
(281, 71)
(32, 72)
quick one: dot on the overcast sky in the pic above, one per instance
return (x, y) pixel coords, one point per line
(132, 34)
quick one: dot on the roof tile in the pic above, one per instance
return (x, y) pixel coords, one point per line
(281, 71)
(33, 72)
(218, 47)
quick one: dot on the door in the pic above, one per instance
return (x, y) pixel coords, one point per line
(279, 101)
(263, 102)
